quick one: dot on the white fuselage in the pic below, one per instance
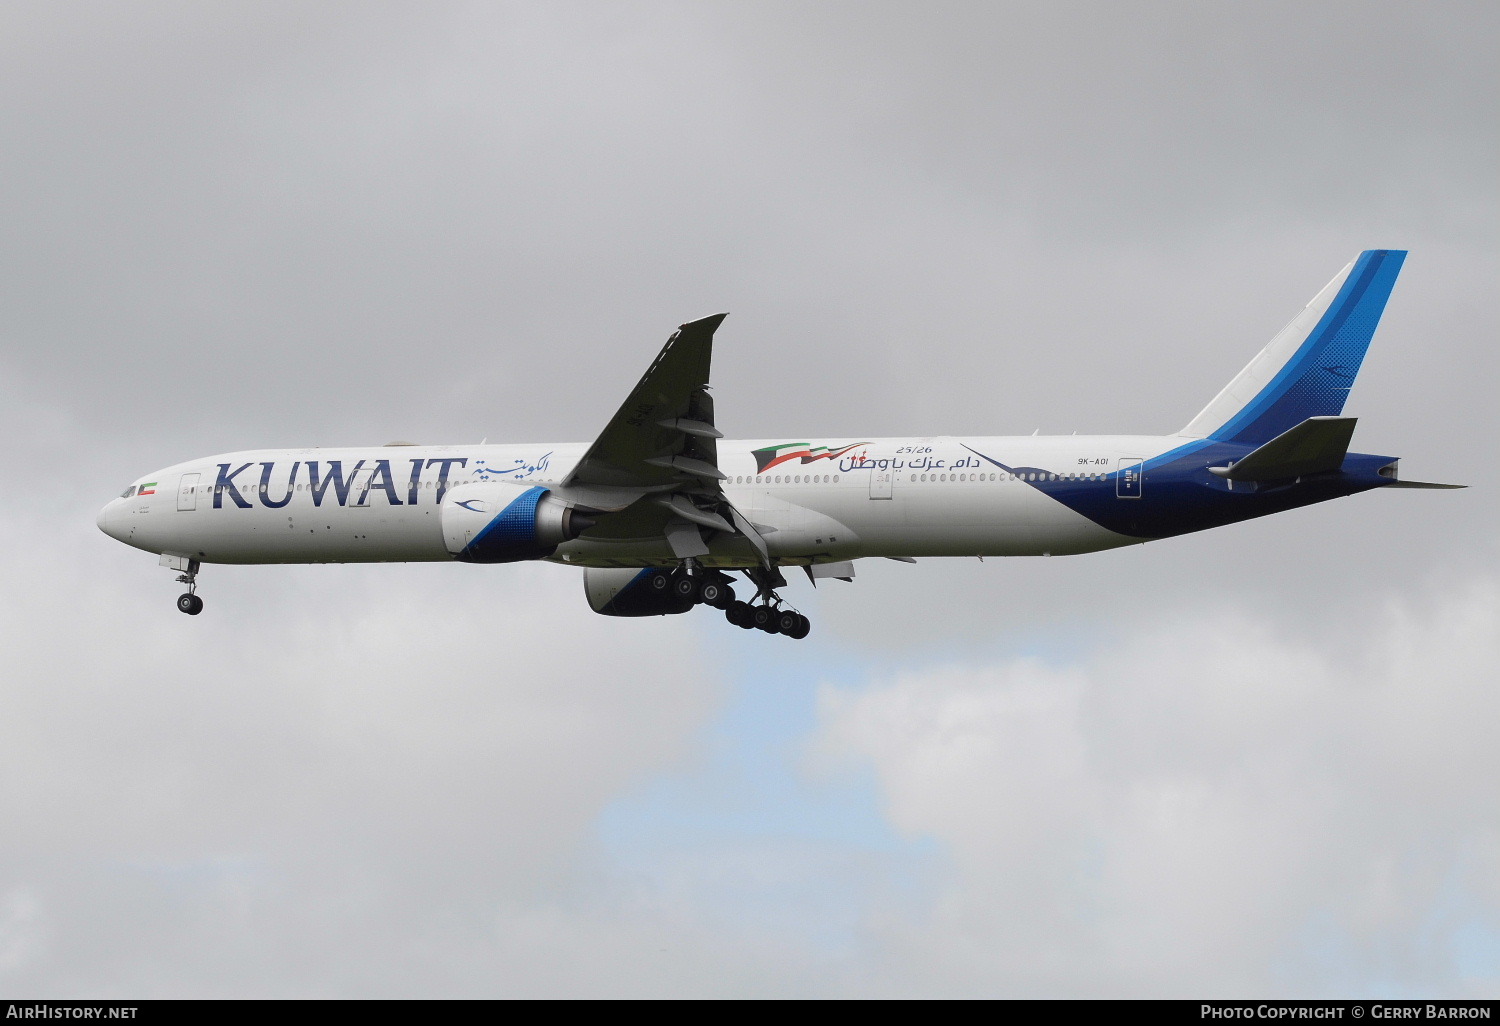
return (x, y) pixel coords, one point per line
(660, 503)
(939, 496)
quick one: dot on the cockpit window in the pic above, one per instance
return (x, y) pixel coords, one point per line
(127, 493)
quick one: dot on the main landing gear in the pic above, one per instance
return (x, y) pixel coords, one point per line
(765, 611)
(772, 619)
(696, 585)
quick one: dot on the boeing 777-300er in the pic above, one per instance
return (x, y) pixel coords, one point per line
(660, 510)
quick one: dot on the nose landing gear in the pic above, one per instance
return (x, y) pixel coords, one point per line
(188, 602)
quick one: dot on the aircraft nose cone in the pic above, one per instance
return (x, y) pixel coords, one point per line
(109, 520)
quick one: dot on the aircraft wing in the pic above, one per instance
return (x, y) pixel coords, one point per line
(664, 431)
(662, 444)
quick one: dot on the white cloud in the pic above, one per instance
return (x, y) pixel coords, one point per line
(1186, 809)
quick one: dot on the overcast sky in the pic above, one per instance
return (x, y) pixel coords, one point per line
(1259, 760)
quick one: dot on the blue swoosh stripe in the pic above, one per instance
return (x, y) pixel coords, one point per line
(1315, 381)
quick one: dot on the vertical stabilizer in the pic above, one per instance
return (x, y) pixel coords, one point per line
(1309, 367)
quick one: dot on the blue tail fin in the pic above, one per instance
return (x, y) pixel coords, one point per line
(1307, 369)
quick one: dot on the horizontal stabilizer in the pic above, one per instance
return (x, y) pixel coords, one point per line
(1422, 484)
(1316, 446)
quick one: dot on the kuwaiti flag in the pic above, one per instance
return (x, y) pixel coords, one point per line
(149, 488)
(773, 455)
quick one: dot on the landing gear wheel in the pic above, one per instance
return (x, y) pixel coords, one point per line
(740, 614)
(716, 594)
(659, 583)
(686, 588)
(190, 604)
(800, 631)
(787, 622)
(764, 618)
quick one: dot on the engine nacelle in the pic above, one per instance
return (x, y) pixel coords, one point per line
(500, 522)
(630, 592)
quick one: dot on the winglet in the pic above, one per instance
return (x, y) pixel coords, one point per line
(709, 324)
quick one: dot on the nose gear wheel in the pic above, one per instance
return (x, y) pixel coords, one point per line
(189, 602)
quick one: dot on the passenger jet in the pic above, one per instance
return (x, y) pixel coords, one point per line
(660, 510)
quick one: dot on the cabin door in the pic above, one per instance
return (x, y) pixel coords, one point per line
(187, 493)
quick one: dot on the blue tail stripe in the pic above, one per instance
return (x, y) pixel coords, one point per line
(1316, 381)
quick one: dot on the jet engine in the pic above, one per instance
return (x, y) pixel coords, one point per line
(501, 522)
(633, 592)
